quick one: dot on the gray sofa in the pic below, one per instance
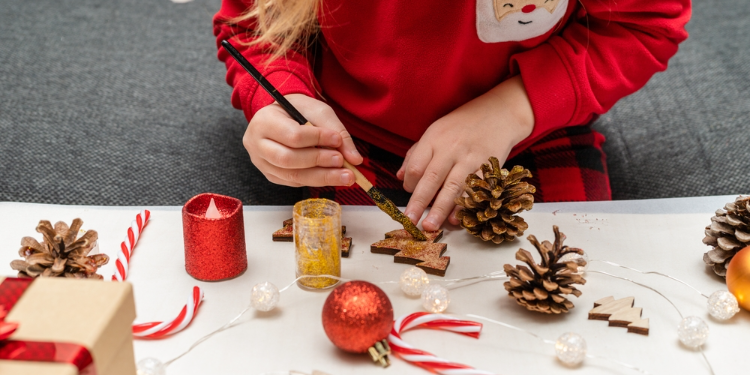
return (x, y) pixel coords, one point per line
(124, 103)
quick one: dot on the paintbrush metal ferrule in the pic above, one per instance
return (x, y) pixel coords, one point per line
(387, 206)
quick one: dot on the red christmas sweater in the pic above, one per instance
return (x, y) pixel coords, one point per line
(390, 68)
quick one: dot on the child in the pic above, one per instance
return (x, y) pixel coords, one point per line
(427, 91)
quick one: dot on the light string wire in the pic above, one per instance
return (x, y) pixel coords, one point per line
(546, 341)
(700, 348)
(496, 275)
(650, 273)
(231, 323)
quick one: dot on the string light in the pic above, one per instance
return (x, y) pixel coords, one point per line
(435, 298)
(413, 281)
(264, 296)
(722, 305)
(693, 332)
(570, 348)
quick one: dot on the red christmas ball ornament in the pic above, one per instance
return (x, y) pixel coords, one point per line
(356, 315)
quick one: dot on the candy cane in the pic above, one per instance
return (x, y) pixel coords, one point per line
(156, 330)
(126, 247)
(152, 330)
(427, 360)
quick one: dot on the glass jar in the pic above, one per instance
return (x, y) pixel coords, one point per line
(317, 242)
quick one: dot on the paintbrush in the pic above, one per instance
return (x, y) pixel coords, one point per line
(385, 204)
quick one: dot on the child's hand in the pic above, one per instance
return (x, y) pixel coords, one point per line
(285, 152)
(458, 143)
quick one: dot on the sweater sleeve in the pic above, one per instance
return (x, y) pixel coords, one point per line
(608, 50)
(290, 74)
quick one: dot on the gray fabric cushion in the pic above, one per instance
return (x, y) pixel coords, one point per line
(124, 103)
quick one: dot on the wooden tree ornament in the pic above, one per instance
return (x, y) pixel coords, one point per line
(286, 234)
(620, 313)
(427, 255)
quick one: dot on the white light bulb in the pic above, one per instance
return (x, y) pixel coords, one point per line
(570, 348)
(722, 305)
(151, 366)
(581, 259)
(264, 296)
(692, 331)
(435, 298)
(413, 281)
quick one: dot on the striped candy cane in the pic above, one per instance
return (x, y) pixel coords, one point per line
(152, 330)
(157, 330)
(126, 247)
(427, 360)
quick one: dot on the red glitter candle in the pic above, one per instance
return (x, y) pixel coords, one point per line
(214, 248)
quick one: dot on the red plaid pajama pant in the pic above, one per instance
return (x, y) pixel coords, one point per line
(566, 165)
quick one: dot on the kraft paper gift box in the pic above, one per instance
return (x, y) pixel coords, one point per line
(95, 314)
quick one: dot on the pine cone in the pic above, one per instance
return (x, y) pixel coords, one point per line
(542, 290)
(60, 254)
(489, 211)
(728, 233)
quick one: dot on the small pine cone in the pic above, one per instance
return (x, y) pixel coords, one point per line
(61, 254)
(493, 202)
(542, 287)
(728, 233)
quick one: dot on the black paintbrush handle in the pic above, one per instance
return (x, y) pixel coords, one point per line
(380, 200)
(288, 107)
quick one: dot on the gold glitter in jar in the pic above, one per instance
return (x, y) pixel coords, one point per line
(317, 241)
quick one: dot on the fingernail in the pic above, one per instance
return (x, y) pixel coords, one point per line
(431, 222)
(412, 216)
(347, 179)
(355, 153)
(336, 160)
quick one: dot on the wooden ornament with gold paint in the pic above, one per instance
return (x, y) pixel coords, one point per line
(738, 277)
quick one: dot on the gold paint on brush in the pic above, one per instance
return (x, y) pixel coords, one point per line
(387, 206)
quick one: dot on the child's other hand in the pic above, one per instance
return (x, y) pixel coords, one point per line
(458, 143)
(285, 152)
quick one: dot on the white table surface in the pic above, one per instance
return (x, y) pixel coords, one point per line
(663, 235)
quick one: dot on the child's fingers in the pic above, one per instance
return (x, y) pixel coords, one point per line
(278, 181)
(444, 204)
(316, 177)
(415, 167)
(322, 116)
(452, 218)
(402, 171)
(298, 136)
(297, 158)
(428, 185)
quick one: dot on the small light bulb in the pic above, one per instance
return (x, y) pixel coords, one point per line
(413, 281)
(435, 298)
(264, 296)
(151, 366)
(722, 305)
(581, 259)
(692, 331)
(570, 348)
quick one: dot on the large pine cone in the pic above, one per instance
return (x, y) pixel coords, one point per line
(491, 207)
(61, 253)
(542, 288)
(728, 233)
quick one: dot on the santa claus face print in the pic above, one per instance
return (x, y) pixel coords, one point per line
(517, 20)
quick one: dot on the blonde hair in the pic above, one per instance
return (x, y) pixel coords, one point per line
(281, 24)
